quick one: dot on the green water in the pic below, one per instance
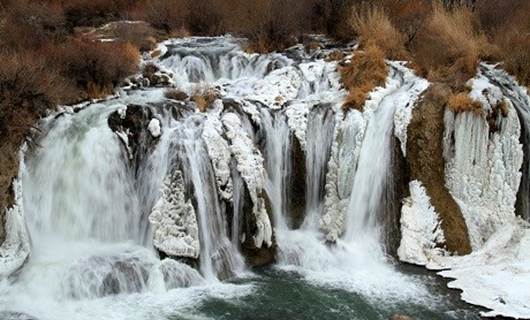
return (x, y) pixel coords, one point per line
(285, 295)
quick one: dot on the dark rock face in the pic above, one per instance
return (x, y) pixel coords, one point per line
(426, 163)
(254, 256)
(134, 125)
(396, 189)
(296, 191)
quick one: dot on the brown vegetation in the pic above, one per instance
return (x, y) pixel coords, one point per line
(366, 71)
(374, 28)
(450, 46)
(462, 102)
(203, 97)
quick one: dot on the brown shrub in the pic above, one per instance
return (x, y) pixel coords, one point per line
(26, 25)
(94, 67)
(366, 71)
(269, 25)
(27, 89)
(373, 27)
(167, 15)
(512, 41)
(450, 46)
(95, 12)
(203, 97)
(408, 16)
(139, 33)
(461, 102)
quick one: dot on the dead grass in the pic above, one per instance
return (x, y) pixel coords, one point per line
(450, 46)
(374, 28)
(366, 71)
(204, 96)
(461, 102)
(95, 68)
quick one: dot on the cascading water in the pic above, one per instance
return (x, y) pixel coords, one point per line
(114, 181)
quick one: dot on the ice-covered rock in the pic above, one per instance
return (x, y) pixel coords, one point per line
(250, 166)
(154, 128)
(218, 150)
(421, 234)
(342, 165)
(482, 169)
(406, 101)
(16, 247)
(173, 219)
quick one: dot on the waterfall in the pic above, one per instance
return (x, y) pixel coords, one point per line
(106, 195)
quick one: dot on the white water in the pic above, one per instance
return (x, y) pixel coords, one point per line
(87, 212)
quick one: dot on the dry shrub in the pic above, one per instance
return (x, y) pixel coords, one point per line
(140, 34)
(94, 67)
(209, 17)
(461, 102)
(27, 89)
(26, 25)
(373, 27)
(203, 97)
(366, 71)
(408, 16)
(513, 43)
(167, 15)
(95, 12)
(450, 46)
(269, 25)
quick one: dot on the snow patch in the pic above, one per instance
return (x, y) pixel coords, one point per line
(154, 128)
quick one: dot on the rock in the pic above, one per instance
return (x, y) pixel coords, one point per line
(137, 129)
(427, 165)
(297, 186)
(400, 317)
(9, 315)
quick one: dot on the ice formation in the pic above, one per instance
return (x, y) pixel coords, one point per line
(421, 234)
(173, 219)
(482, 167)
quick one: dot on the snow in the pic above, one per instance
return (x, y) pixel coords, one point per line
(497, 276)
(421, 233)
(16, 248)
(173, 219)
(297, 120)
(154, 128)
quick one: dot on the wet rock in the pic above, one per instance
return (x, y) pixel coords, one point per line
(136, 130)
(10, 315)
(400, 317)
(296, 192)
(154, 77)
(426, 163)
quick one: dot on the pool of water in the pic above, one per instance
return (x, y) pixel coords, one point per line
(277, 294)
